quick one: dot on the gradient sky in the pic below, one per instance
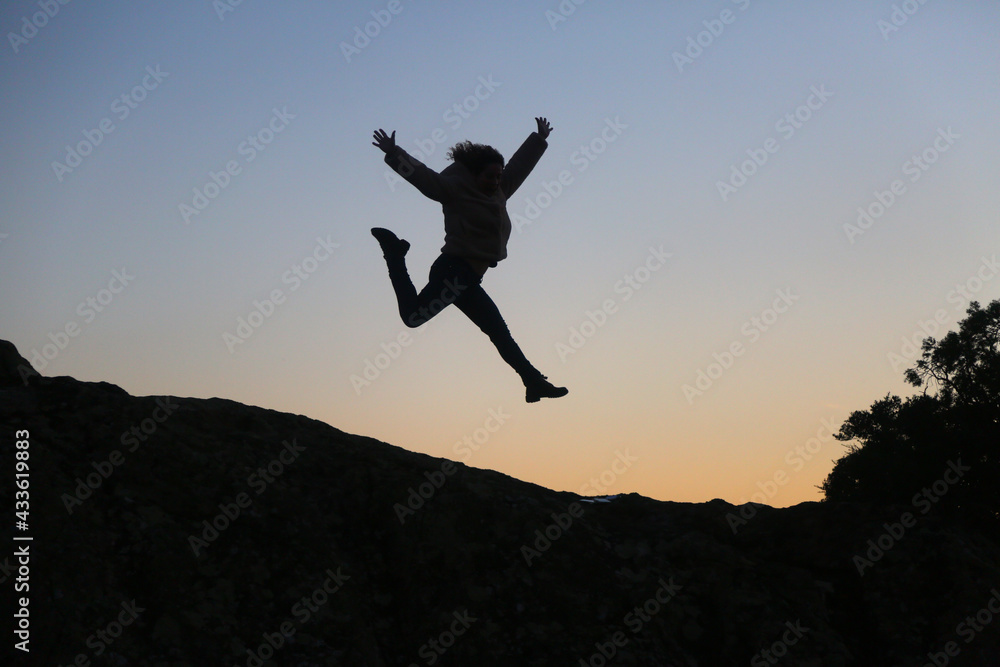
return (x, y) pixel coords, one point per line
(642, 139)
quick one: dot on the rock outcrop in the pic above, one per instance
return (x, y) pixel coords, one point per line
(182, 531)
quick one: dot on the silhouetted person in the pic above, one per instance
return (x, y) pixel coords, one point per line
(473, 193)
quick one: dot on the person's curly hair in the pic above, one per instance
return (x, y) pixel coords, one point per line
(474, 156)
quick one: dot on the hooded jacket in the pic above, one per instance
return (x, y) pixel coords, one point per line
(476, 225)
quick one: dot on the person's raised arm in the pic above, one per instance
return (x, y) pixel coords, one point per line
(525, 158)
(428, 181)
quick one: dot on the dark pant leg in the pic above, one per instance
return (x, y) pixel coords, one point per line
(445, 284)
(452, 280)
(480, 308)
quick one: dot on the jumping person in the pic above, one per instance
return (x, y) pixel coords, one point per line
(473, 193)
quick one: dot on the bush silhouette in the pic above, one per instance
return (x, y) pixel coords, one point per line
(902, 450)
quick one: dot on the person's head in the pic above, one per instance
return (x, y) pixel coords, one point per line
(485, 163)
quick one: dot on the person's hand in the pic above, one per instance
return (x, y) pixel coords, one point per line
(543, 127)
(385, 142)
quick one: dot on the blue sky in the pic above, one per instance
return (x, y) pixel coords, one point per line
(834, 111)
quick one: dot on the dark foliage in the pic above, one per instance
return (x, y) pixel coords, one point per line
(901, 450)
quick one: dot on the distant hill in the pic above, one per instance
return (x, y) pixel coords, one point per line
(181, 531)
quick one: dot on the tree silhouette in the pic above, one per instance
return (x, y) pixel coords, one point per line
(901, 450)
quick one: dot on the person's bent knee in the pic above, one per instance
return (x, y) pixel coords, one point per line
(414, 320)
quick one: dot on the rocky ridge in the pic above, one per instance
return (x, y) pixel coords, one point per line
(183, 531)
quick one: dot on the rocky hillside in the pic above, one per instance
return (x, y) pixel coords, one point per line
(180, 531)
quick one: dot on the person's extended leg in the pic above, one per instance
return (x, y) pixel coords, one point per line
(452, 280)
(444, 286)
(480, 308)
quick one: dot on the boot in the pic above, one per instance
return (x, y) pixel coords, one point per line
(392, 245)
(539, 387)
